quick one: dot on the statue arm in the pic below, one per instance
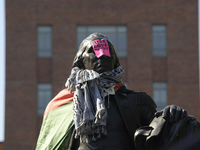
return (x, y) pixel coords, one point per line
(146, 108)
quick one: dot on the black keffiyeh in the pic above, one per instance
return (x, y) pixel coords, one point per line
(88, 103)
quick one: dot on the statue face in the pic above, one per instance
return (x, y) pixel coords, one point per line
(101, 64)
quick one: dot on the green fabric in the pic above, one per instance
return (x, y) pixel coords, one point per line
(56, 129)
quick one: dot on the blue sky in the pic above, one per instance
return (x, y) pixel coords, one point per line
(2, 67)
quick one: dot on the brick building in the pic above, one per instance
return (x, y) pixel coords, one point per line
(156, 41)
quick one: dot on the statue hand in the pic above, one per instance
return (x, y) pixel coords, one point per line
(172, 112)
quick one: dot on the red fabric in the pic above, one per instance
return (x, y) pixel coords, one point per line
(64, 97)
(117, 86)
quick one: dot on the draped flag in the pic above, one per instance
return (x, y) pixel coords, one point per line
(57, 123)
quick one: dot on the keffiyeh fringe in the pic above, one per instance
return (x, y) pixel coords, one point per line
(88, 105)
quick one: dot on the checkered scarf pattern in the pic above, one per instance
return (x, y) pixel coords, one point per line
(88, 102)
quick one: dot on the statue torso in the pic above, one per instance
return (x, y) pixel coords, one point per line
(117, 136)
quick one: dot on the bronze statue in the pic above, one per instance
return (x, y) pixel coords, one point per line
(107, 115)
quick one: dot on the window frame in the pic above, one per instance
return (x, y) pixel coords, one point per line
(159, 35)
(44, 95)
(44, 49)
(112, 30)
(160, 94)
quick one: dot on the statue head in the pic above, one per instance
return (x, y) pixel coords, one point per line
(96, 52)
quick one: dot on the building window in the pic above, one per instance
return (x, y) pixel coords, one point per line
(117, 35)
(44, 96)
(160, 94)
(126, 84)
(44, 41)
(159, 40)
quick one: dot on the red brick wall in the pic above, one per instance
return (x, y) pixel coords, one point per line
(183, 79)
(1, 146)
(21, 75)
(24, 70)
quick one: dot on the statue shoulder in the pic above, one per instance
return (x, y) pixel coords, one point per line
(139, 98)
(142, 98)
